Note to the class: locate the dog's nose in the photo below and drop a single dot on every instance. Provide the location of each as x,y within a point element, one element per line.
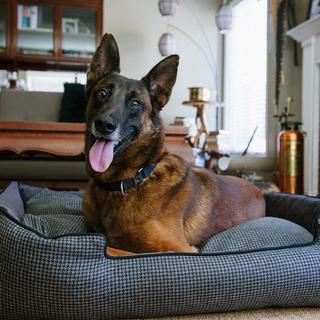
<point>105,126</point>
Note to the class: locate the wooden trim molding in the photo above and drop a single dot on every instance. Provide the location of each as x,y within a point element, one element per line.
<point>39,126</point>
<point>308,34</point>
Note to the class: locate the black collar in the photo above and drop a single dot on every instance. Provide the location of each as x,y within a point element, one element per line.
<point>124,185</point>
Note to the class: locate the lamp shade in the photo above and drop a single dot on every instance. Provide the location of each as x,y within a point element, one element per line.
<point>168,7</point>
<point>224,18</point>
<point>167,44</point>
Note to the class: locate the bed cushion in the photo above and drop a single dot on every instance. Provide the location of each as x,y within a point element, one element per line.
<point>55,213</point>
<point>70,276</point>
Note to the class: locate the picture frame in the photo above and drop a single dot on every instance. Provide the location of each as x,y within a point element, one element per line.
<point>313,8</point>
<point>70,25</point>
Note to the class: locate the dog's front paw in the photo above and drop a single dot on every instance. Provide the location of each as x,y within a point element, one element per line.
<point>194,249</point>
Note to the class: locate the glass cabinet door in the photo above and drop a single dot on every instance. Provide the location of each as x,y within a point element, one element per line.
<point>78,33</point>
<point>3,24</point>
<point>35,30</point>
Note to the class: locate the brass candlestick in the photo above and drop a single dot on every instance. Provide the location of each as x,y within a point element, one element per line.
<point>204,143</point>
<point>195,142</point>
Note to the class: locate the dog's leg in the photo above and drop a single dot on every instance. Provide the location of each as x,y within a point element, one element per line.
<point>167,246</point>
<point>164,237</point>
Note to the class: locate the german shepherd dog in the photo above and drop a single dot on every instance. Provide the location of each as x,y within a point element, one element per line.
<point>141,197</point>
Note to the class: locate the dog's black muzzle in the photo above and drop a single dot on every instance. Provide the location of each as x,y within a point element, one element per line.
<point>105,125</point>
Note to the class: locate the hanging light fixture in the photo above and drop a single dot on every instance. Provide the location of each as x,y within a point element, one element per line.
<point>167,44</point>
<point>224,18</point>
<point>168,7</point>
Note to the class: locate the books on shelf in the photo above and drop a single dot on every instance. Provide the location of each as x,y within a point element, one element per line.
<point>27,17</point>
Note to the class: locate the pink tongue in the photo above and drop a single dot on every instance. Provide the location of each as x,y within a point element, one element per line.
<point>101,155</point>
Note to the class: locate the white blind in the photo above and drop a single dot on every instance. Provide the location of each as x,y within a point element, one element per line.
<point>245,92</point>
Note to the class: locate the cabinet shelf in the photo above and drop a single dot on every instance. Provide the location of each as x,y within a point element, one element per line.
<point>73,34</point>
<point>37,30</point>
<point>35,51</point>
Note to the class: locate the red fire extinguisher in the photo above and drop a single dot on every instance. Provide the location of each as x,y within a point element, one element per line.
<point>290,157</point>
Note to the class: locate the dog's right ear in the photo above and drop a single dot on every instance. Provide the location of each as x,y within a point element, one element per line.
<point>105,60</point>
<point>160,81</point>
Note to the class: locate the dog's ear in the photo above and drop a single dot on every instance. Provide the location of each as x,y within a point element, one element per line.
<point>160,81</point>
<point>105,60</point>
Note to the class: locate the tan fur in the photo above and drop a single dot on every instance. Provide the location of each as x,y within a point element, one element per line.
<point>175,209</point>
<point>178,206</point>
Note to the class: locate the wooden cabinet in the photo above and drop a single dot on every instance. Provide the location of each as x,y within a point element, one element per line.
<point>3,27</point>
<point>49,34</point>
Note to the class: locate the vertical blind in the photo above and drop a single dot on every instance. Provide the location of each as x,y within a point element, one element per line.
<point>245,81</point>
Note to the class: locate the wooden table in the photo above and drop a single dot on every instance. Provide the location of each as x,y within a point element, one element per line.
<point>65,140</point>
<point>54,138</point>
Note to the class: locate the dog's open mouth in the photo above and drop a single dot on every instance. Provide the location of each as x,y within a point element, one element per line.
<point>104,150</point>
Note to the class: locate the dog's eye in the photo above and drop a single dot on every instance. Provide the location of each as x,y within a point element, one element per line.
<point>103,93</point>
<point>135,103</point>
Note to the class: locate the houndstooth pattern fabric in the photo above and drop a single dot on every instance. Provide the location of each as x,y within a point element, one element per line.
<point>257,234</point>
<point>55,213</point>
<point>71,278</point>
<point>54,202</point>
<point>56,226</point>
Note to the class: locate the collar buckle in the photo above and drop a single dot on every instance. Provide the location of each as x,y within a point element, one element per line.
<point>139,177</point>
<point>123,191</point>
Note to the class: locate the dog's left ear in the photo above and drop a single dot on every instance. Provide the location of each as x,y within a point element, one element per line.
<point>160,81</point>
<point>105,60</point>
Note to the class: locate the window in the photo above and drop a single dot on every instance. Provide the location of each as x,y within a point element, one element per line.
<point>245,77</point>
<point>51,80</point>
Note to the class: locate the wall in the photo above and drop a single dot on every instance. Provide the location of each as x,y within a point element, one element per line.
<point>293,73</point>
<point>137,26</point>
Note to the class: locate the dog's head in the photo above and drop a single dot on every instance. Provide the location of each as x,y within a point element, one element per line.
<point>122,111</point>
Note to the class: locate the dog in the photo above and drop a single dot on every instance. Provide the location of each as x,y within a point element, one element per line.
<point>141,197</point>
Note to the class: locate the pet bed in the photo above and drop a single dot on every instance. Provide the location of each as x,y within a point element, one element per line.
<point>52,267</point>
